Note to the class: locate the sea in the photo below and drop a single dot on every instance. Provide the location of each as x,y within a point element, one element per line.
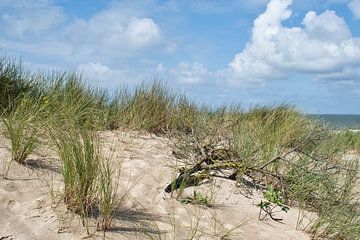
<point>339,121</point>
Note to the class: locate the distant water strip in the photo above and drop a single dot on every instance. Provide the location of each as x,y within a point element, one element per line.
<point>339,121</point>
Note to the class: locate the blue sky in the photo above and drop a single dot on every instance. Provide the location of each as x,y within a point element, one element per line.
<point>301,52</point>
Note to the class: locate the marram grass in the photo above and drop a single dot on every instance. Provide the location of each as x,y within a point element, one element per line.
<point>23,127</point>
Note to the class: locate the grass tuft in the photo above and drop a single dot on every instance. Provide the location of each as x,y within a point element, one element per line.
<point>23,126</point>
<point>79,152</point>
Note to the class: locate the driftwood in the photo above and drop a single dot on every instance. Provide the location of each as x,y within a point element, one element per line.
<point>190,176</point>
<point>185,177</point>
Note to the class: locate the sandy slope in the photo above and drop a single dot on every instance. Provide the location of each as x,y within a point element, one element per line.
<point>27,210</point>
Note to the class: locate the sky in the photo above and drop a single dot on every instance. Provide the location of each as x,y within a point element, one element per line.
<point>249,52</point>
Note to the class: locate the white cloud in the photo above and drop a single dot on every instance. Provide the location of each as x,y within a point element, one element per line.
<point>187,73</point>
<point>348,74</point>
<point>191,73</point>
<point>114,28</point>
<point>94,69</point>
<point>354,6</point>
<point>324,26</point>
<point>142,32</point>
<point>106,76</point>
<point>21,19</point>
<point>322,45</point>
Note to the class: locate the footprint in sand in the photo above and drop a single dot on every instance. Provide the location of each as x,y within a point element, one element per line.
<point>10,187</point>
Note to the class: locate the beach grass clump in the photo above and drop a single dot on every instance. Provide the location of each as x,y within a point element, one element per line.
<point>339,210</point>
<point>183,116</point>
<point>71,100</point>
<point>80,157</point>
<point>278,129</point>
<point>23,126</point>
<point>282,148</point>
<point>152,107</point>
<point>15,83</point>
<point>266,140</point>
<point>313,181</point>
<point>340,221</point>
<point>148,107</point>
<point>89,189</point>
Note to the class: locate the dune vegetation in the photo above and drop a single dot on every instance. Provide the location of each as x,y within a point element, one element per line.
<point>295,160</point>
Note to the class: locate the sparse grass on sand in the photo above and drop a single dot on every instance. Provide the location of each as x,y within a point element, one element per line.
<point>276,147</point>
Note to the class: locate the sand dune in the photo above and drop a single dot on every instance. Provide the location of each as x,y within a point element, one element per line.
<point>27,210</point>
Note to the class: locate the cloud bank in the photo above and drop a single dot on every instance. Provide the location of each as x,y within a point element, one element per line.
<point>116,37</point>
<point>42,28</point>
<point>322,46</point>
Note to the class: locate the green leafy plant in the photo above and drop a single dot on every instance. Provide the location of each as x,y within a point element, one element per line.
<point>198,198</point>
<point>273,199</point>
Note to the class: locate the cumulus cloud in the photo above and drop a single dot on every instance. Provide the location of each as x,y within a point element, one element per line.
<point>142,32</point>
<point>114,28</point>
<point>323,44</point>
<point>354,6</point>
<point>322,27</point>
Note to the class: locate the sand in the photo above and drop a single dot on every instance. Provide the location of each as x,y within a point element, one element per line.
<point>146,164</point>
